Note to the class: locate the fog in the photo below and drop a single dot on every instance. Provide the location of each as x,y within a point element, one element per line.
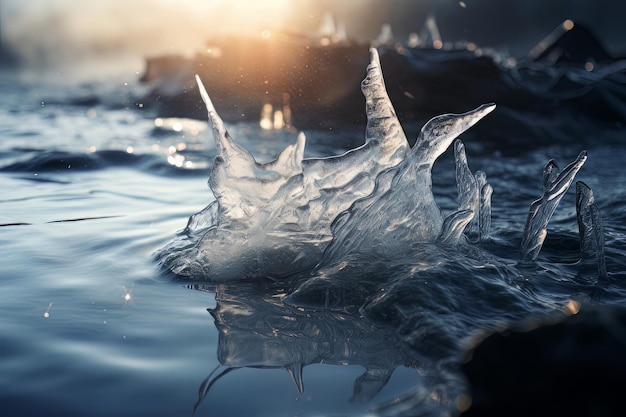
<point>49,35</point>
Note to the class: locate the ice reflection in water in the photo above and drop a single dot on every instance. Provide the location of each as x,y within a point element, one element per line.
<point>258,330</point>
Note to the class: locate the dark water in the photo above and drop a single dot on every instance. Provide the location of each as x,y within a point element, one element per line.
<point>92,187</point>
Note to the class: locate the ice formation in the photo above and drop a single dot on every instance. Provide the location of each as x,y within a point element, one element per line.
<point>360,238</point>
<point>293,214</point>
<point>555,184</point>
<point>590,229</point>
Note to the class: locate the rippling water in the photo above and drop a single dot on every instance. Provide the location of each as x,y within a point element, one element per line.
<point>93,185</point>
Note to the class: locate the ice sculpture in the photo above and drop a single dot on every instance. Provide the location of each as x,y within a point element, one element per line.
<point>293,215</point>
<point>555,184</point>
<point>275,218</point>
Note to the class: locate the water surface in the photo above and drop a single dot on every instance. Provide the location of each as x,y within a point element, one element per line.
<point>91,188</point>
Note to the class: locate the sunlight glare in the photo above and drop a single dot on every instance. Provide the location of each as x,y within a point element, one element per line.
<point>279,122</point>
<point>47,313</point>
<point>128,296</point>
<point>266,117</point>
<point>568,25</point>
<point>255,15</point>
<point>572,307</point>
<point>177,126</point>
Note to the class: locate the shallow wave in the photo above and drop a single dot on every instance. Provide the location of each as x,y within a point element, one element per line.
<point>67,162</point>
<point>46,161</point>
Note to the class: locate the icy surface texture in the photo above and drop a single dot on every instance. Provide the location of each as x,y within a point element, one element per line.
<point>555,184</point>
<point>474,194</point>
<point>402,212</point>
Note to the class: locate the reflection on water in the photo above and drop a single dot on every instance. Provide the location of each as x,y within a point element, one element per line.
<point>257,329</point>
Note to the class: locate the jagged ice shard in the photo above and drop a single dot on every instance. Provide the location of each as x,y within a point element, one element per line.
<point>294,214</point>
<point>555,184</point>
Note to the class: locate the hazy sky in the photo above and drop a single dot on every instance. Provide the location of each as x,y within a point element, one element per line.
<point>52,32</point>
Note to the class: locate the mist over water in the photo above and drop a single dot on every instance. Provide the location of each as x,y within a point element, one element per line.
<point>114,36</point>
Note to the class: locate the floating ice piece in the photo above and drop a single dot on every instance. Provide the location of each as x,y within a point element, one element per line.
<point>555,184</point>
<point>590,228</point>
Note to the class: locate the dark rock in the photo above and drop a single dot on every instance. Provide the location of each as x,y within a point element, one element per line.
<point>576,367</point>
